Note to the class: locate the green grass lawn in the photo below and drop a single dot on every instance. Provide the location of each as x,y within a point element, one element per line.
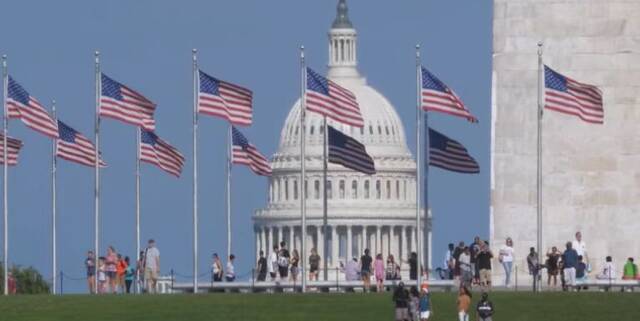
<point>284,307</point>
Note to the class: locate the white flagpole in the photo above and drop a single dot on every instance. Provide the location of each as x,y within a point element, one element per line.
<point>325,210</point>
<point>54,169</point>
<point>97,166</point>
<point>539,178</point>
<point>195,170</point>
<point>138,151</point>
<point>418,164</point>
<point>228,170</point>
<point>5,87</point>
<point>303,201</point>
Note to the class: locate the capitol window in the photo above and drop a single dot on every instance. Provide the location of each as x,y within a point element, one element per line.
<point>341,187</point>
<point>306,189</point>
<point>311,130</point>
<point>362,130</point>
<point>371,129</point>
<point>397,189</point>
<point>329,190</point>
<point>379,130</point>
<point>405,189</point>
<point>388,189</point>
<point>286,190</point>
<point>378,189</point>
<point>295,189</point>
<point>316,189</point>
<point>354,189</point>
<point>386,129</point>
<point>278,191</point>
<point>367,193</point>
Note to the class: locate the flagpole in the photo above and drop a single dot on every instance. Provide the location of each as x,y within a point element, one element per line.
<point>325,214</point>
<point>228,170</point>
<point>97,166</point>
<point>5,88</point>
<point>539,177</point>
<point>418,163</point>
<point>195,169</point>
<point>303,201</point>
<point>138,142</point>
<point>54,170</point>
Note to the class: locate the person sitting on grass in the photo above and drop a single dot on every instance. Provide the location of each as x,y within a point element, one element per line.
<point>484,308</point>
<point>608,272</point>
<point>401,298</point>
<point>425,305</point>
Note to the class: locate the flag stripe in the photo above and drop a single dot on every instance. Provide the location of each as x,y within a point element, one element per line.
<point>14,146</point>
<point>75,147</point>
<point>224,100</point>
<point>348,152</point>
<point>565,95</point>
<point>155,151</point>
<point>450,155</point>
<point>245,153</point>
<point>327,98</point>
<point>436,96</point>
<point>22,105</point>
<point>122,103</point>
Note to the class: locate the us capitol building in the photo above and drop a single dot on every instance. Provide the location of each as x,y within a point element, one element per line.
<point>377,212</point>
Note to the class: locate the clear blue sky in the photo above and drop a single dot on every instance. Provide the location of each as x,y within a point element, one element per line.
<point>147,45</point>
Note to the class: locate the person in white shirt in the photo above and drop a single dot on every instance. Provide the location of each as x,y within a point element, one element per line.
<point>273,263</point>
<point>506,256</point>
<point>230,273</point>
<point>151,266</point>
<point>581,247</point>
<point>608,270</point>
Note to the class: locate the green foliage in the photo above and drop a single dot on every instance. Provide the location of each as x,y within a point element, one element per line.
<point>28,280</point>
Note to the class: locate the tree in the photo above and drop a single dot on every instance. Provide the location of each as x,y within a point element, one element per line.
<point>28,280</point>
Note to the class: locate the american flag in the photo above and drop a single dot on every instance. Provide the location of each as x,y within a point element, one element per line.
<point>13,145</point>
<point>327,98</point>
<point>348,152</point>
<point>436,96</point>
<point>75,147</point>
<point>22,105</point>
<point>450,155</point>
<point>568,96</point>
<point>156,151</point>
<point>245,153</point>
<point>225,100</point>
<point>122,103</point>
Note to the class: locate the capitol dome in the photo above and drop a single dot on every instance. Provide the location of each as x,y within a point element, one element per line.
<point>363,211</point>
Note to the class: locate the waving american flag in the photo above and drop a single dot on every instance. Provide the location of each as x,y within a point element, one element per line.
<point>436,96</point>
<point>156,151</point>
<point>568,96</point>
<point>327,98</point>
<point>348,152</point>
<point>124,104</point>
<point>450,155</point>
<point>245,153</point>
<point>225,100</point>
<point>23,106</point>
<point>13,145</point>
<point>75,147</point>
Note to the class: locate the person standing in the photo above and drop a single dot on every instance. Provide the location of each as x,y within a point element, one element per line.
<point>506,257</point>
<point>129,275</point>
<point>111,262</point>
<point>230,274</point>
<point>378,268</point>
<point>474,249</point>
<point>90,265</point>
<point>314,265</point>
<point>413,266</point>
<point>484,309</point>
<point>102,275</point>
<point>216,268</point>
<point>140,271</point>
<point>465,268</point>
<point>261,267</point>
<point>294,262</point>
<point>273,263</point>
<point>365,270</point>
<point>391,269</point>
<point>283,261</point>
<point>463,302</point>
<point>456,260</point>
<point>425,305</point>
<point>569,263</point>
<point>401,300</point>
<point>483,260</point>
<point>534,267</point>
<point>553,266</point>
<point>580,247</point>
<point>351,270</point>
<point>449,262</point>
<point>151,266</point>
<point>121,268</point>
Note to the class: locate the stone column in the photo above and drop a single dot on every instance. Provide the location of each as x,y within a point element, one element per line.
<point>256,234</point>
<point>403,243</point>
<point>271,244</point>
<point>335,246</point>
<point>320,243</point>
<point>291,231</point>
<point>378,239</point>
<point>349,251</point>
<point>263,242</point>
<point>412,232</point>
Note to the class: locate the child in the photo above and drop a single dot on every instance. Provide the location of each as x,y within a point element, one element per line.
<point>464,300</point>
<point>425,305</point>
<point>414,301</point>
<point>484,308</point>
<point>102,275</point>
<point>129,275</point>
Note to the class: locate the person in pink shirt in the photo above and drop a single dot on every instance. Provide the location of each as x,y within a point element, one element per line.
<point>378,269</point>
<point>111,262</point>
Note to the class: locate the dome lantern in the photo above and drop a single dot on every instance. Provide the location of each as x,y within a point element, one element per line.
<point>342,45</point>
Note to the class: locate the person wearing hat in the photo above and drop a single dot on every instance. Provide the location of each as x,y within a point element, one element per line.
<point>425,304</point>
<point>484,308</point>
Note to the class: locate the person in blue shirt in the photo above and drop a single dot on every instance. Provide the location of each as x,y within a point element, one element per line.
<point>425,305</point>
<point>570,262</point>
<point>129,274</point>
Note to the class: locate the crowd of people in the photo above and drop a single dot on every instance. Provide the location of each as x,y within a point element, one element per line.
<point>116,274</point>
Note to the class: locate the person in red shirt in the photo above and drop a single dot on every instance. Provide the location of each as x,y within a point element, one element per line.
<point>121,269</point>
<point>11,284</point>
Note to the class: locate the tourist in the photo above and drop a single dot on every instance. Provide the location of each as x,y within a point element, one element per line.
<point>533,266</point>
<point>463,302</point>
<point>294,262</point>
<point>449,262</point>
<point>283,261</point>
<point>552,263</point>
<point>391,269</point>
<point>569,263</point>
<point>12,284</point>
<point>365,270</point>
<point>90,265</point>
<point>261,267</point>
<point>484,309</point>
<point>483,259</point>
<point>608,270</point>
<point>414,304</point>
<point>129,275</point>
<point>102,275</point>
<point>425,305</point>
<point>151,266</point>
<point>581,270</point>
<point>216,268</point>
<point>630,270</point>
<point>456,260</point>
<point>506,257</point>
<point>413,266</point>
<point>273,263</point>
<point>580,246</point>
<point>378,269</point>
<point>314,265</point>
<point>121,268</point>
<point>111,269</point>
<point>230,272</point>
<point>140,270</point>
<point>401,298</point>
<point>351,272</point>
<point>466,275</point>
<point>474,249</point>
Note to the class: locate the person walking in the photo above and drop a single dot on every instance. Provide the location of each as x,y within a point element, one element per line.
<point>365,270</point>
<point>401,300</point>
<point>151,266</point>
<point>425,308</point>
<point>569,263</point>
<point>90,265</point>
<point>506,257</point>
<point>216,268</point>
<point>378,268</point>
<point>483,260</point>
<point>230,274</point>
<point>463,303</point>
<point>314,265</point>
<point>553,266</point>
<point>534,267</point>
<point>129,275</point>
<point>273,263</point>
<point>111,269</point>
<point>484,309</point>
<point>294,263</point>
<point>261,267</point>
